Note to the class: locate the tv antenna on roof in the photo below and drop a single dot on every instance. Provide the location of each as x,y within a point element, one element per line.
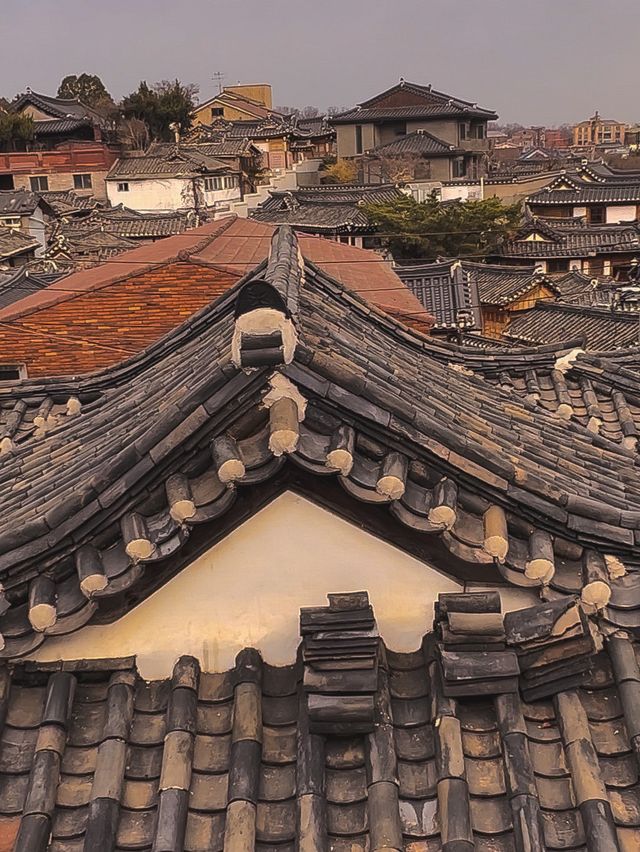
<point>218,77</point>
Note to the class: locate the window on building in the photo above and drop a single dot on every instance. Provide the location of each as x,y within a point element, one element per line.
<point>558,265</point>
<point>39,183</point>
<point>82,181</point>
<point>358,139</point>
<point>220,182</point>
<point>398,128</point>
<point>462,128</point>
<point>10,222</point>
<point>12,372</point>
<point>6,182</point>
<point>459,167</point>
<point>216,112</point>
<point>597,214</point>
<point>123,187</point>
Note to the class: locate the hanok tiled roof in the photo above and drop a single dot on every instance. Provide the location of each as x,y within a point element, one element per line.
<point>13,242</point>
<point>57,126</point>
<point>446,292</point>
<point>96,244</point>
<point>429,104</point>
<point>131,224</point>
<point>182,163</point>
<point>473,477</point>
<point>602,328</point>
<point>18,202</point>
<point>573,240</point>
<point>573,283</point>
<point>62,108</point>
<point>241,147</point>
<point>330,208</point>
<point>418,144</point>
<point>98,316</point>
<point>68,203</point>
<point>94,757</point>
<point>574,190</point>
<point>19,283</point>
<point>484,284</point>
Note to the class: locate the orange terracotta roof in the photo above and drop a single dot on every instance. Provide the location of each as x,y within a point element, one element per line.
<point>235,245</point>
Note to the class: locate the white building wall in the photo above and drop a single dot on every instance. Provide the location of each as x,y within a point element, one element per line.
<point>579,211</point>
<point>247,591</point>
<point>162,196</point>
<point>621,213</point>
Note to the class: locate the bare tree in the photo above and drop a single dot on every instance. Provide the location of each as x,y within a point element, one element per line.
<point>398,169</point>
<point>133,134</point>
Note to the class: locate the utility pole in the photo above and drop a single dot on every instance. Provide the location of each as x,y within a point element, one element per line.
<point>218,77</point>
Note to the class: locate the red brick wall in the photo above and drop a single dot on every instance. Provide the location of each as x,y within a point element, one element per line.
<point>103,327</point>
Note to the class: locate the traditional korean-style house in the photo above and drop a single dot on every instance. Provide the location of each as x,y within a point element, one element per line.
<point>416,156</point>
<point>296,577</point>
<point>70,151</point>
<point>599,195</point>
<point>466,296</point>
<point>96,317</point>
<point>171,180</point>
<point>16,247</point>
<point>457,125</point>
<point>332,210</point>
<point>239,155</point>
<point>560,245</point>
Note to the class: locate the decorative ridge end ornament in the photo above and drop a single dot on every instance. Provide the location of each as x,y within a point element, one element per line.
<point>287,408</point>
<point>341,653</point>
<point>564,363</point>
<point>265,333</point>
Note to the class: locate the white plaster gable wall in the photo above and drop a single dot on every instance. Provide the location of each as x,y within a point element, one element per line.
<point>148,196</point>
<point>247,591</point>
<point>161,196</point>
<point>620,213</point>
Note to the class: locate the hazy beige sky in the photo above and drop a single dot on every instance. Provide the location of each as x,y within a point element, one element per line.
<point>534,61</point>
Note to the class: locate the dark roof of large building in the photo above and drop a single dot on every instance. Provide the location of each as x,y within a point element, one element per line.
<point>329,208</point>
<point>59,108</point>
<point>460,467</point>
<point>602,328</point>
<point>14,242</point>
<point>419,144</point>
<point>571,238</point>
<point>429,103</point>
<point>477,284</point>
<point>94,757</point>
<point>573,189</point>
<point>176,163</point>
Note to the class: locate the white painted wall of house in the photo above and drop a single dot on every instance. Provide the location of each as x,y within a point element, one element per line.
<point>159,196</point>
<point>247,590</point>
<point>621,213</point>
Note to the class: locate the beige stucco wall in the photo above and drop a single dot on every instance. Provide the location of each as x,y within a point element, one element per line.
<point>346,139</point>
<point>443,129</point>
<point>248,589</point>
<point>62,181</point>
